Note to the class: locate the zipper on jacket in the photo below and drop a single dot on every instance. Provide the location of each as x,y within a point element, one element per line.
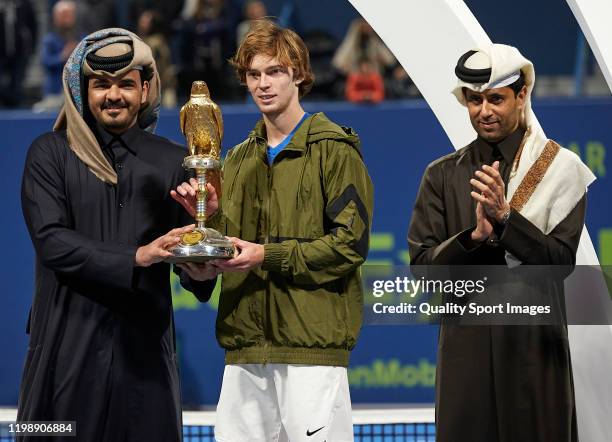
<point>242,157</point>
<point>267,297</point>
<point>298,197</point>
<point>264,360</point>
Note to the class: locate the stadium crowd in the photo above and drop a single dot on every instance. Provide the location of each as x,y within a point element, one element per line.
<point>191,39</point>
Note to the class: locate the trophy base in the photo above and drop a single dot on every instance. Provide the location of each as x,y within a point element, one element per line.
<point>201,245</point>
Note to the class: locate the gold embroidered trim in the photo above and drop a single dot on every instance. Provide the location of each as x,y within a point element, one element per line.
<point>534,176</point>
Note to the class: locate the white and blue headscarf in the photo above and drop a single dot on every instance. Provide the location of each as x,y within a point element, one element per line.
<point>71,117</point>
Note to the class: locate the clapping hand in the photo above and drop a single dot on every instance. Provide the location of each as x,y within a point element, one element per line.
<point>490,192</point>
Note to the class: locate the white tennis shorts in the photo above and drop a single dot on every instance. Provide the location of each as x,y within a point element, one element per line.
<point>281,402</point>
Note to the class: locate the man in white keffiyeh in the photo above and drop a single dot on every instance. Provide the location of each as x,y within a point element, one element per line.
<point>545,182</point>
<point>508,198</point>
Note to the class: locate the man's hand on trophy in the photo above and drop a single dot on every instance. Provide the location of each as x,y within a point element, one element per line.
<point>157,250</point>
<point>185,195</point>
<point>199,272</point>
<point>249,255</point>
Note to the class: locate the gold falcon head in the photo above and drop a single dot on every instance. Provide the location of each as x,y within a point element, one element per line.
<point>199,88</point>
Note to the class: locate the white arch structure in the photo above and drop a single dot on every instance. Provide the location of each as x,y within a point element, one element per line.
<point>427,37</point>
<point>593,16</point>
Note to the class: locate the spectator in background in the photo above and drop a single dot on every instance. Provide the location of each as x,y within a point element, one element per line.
<point>400,85</point>
<point>206,44</point>
<point>56,47</point>
<point>18,34</point>
<point>365,85</point>
<point>361,42</point>
<point>166,13</point>
<point>93,15</point>
<point>253,10</point>
<point>189,8</point>
<point>150,30</point>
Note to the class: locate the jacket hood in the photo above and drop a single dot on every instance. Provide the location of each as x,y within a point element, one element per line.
<point>315,128</point>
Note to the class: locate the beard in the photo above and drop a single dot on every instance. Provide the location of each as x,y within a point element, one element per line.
<point>122,121</point>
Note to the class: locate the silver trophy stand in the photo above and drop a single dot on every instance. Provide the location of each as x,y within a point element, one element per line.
<point>203,243</point>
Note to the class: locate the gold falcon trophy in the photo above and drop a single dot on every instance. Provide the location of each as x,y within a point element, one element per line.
<point>202,125</point>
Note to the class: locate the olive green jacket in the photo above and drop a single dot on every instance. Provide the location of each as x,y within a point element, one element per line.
<point>312,210</point>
